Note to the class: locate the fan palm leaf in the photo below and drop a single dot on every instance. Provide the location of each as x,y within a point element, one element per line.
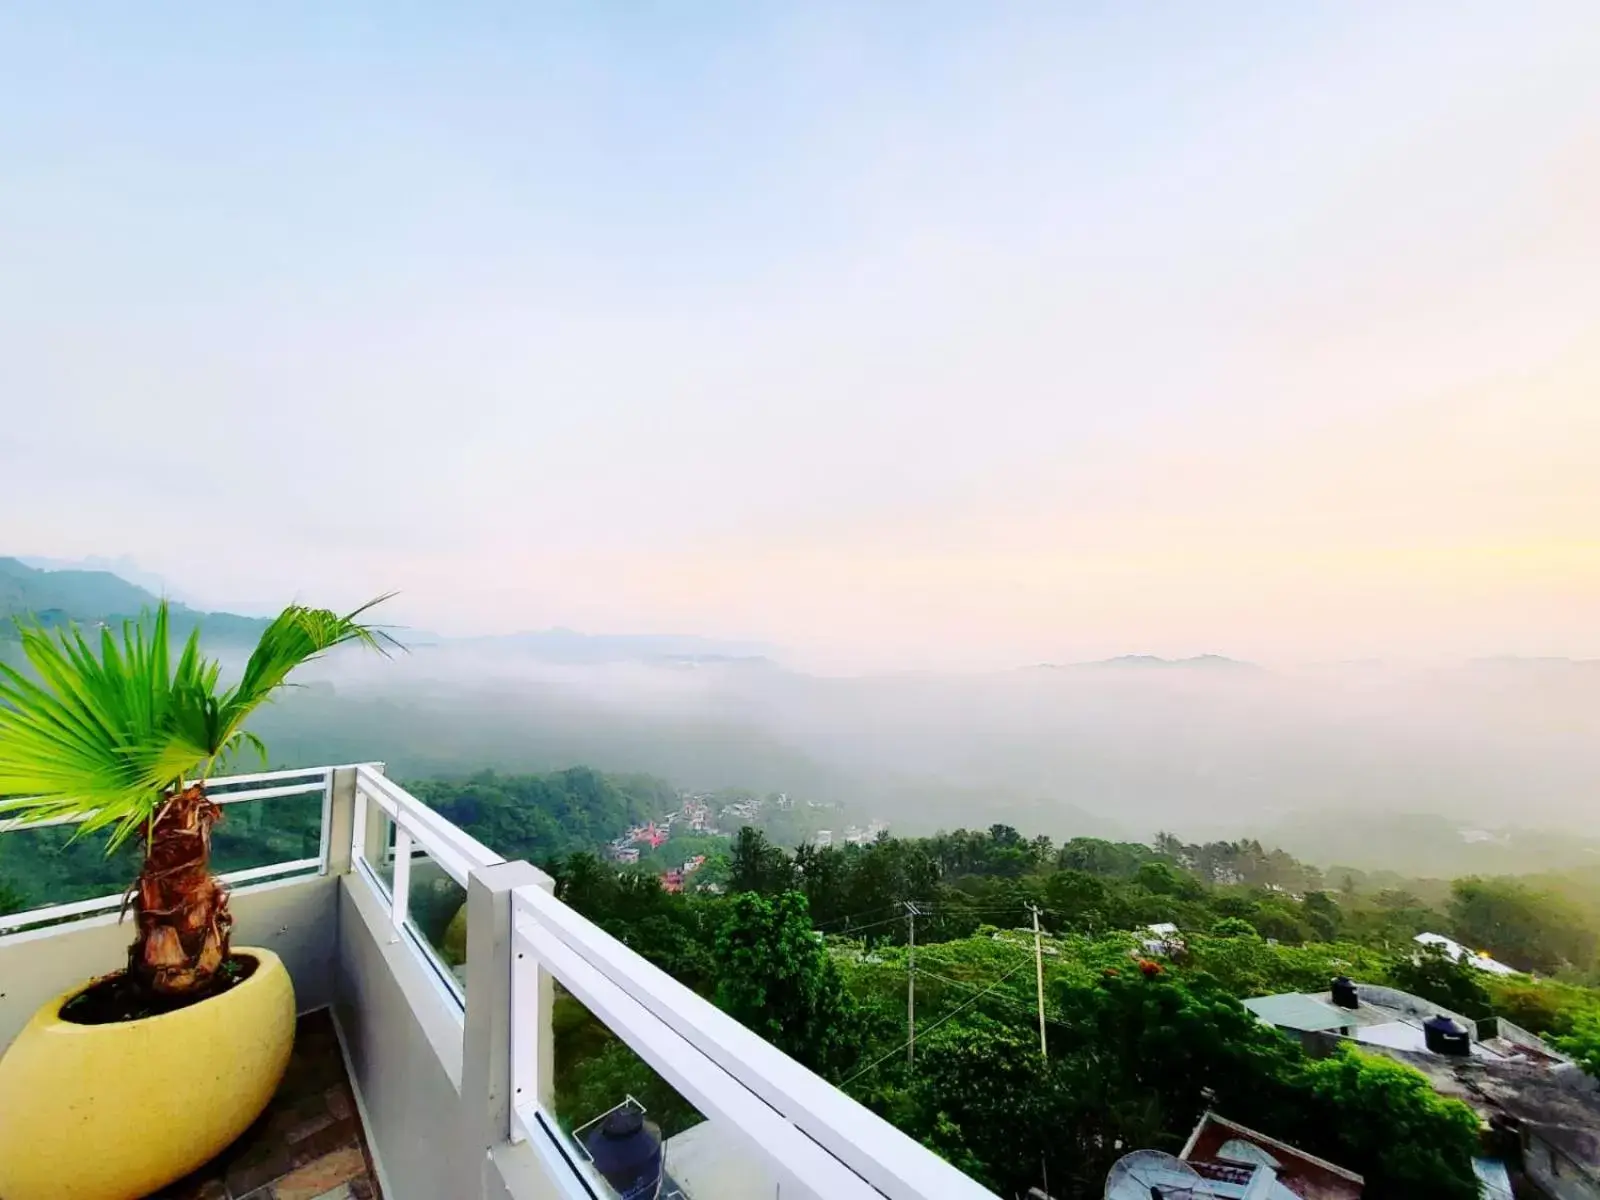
<point>106,737</point>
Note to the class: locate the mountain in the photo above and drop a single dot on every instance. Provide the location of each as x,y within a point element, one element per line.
<point>123,567</point>
<point>78,595</point>
<point>93,598</point>
<point>1151,662</point>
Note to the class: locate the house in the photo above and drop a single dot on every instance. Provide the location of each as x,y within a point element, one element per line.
<point>1387,1018</point>
<point>1516,1082</point>
<point>1551,1111</point>
<point>1238,1161</point>
<point>1163,939</point>
<point>1460,953</point>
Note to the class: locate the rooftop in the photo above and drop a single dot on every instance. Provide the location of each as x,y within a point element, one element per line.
<point>1557,1107</point>
<point>428,972</point>
<point>1460,953</point>
<point>1388,1018</point>
<point>1232,1155</point>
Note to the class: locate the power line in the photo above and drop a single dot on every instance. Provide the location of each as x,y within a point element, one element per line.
<point>928,1029</point>
<point>866,912</point>
<point>1006,1000</point>
<point>870,925</point>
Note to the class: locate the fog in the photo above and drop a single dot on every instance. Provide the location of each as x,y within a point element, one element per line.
<point>1205,747</point>
<point>913,354</point>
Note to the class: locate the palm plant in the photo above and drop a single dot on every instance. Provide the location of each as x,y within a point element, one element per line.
<point>125,740</point>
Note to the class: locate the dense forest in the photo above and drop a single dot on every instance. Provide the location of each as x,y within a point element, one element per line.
<point>535,817</point>
<point>808,946</point>
<point>1138,1042</point>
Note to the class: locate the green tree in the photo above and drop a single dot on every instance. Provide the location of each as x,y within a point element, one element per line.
<point>1164,880</point>
<point>1079,900</point>
<point>1323,914</point>
<point>756,865</point>
<point>1532,930</point>
<point>125,736</point>
<point>1434,974</point>
<point>774,975</point>
<point>673,931</point>
<point>1583,1043</point>
<point>981,1100</point>
<point>1100,857</point>
<point>1233,927</point>
<point>11,899</point>
<point>1542,1006</point>
<point>1383,1119</point>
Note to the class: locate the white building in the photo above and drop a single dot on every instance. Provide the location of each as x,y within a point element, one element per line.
<point>1459,952</point>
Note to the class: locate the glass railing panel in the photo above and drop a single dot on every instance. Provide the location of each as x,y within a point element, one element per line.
<point>262,833</point>
<point>633,1131</point>
<point>57,864</point>
<point>40,868</point>
<point>436,911</point>
<point>378,849</point>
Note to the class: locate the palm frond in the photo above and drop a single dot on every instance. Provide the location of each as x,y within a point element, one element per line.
<point>105,736</point>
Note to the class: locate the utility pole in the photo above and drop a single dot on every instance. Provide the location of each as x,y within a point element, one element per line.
<point>1038,970</point>
<point>911,983</point>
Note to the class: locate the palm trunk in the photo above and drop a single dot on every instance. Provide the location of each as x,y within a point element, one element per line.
<point>182,910</point>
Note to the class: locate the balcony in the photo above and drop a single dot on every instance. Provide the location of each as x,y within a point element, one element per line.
<point>463,996</point>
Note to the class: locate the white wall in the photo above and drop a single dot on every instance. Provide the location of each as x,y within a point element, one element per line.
<point>399,1032</point>
<point>294,918</point>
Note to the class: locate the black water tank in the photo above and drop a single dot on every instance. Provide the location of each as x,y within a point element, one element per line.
<point>1344,993</point>
<point>1446,1036</point>
<point>627,1152</point>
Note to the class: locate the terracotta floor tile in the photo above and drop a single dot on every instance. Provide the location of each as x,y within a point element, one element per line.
<point>309,1138</point>
<point>321,1175</point>
<point>340,1102</point>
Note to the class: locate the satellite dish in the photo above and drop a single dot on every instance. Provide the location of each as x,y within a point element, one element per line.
<point>1155,1175</point>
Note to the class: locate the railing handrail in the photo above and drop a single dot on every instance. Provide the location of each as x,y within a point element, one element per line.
<point>312,779</point>
<point>307,780</point>
<point>452,847</point>
<point>723,1099</point>
<point>894,1164</point>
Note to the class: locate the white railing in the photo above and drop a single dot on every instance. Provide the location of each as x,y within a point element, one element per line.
<point>225,789</point>
<point>815,1140</point>
<point>810,1139</point>
<point>416,827</point>
<point>417,830</point>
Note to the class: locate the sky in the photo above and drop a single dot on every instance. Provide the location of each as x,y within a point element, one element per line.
<point>944,335</point>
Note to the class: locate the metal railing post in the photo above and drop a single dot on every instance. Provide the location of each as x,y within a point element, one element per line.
<point>491,1033</point>
<point>339,825</point>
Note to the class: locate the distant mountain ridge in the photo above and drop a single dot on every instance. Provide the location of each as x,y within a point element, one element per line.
<point>59,595</point>
<point>1153,662</point>
<point>91,598</point>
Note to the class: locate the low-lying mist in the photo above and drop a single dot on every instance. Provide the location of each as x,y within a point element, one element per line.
<point>1207,748</point>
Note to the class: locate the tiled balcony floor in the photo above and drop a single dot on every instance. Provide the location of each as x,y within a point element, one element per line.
<point>308,1145</point>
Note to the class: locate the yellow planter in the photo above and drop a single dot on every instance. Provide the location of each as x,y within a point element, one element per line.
<point>114,1112</point>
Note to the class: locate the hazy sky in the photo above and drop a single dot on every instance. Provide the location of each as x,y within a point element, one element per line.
<point>944,334</point>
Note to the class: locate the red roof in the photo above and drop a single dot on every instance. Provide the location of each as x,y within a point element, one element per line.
<point>1306,1175</point>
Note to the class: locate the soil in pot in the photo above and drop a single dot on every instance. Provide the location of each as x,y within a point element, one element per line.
<point>116,998</point>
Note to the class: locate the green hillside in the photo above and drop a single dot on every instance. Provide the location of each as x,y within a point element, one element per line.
<point>91,598</point>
